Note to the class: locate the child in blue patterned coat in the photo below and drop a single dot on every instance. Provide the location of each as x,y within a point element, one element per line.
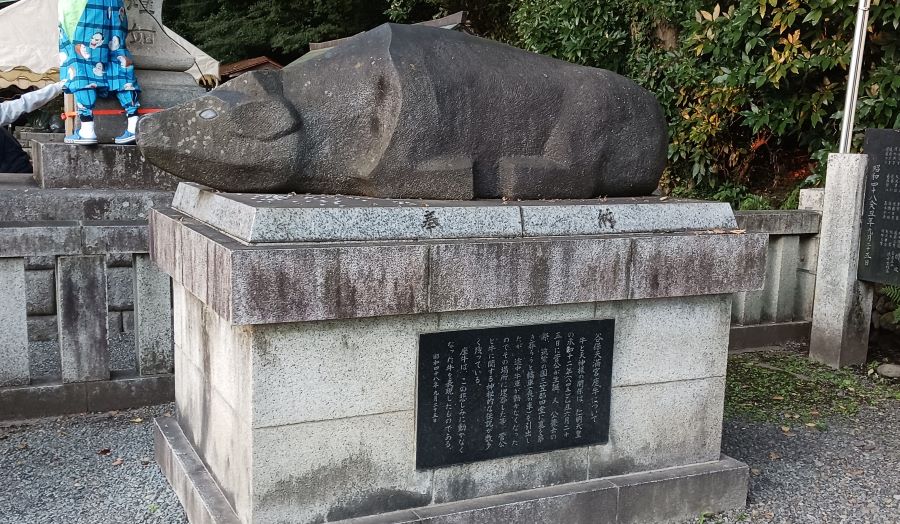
<point>96,63</point>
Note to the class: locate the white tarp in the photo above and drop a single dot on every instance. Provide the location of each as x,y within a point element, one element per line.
<point>28,36</point>
<point>28,41</point>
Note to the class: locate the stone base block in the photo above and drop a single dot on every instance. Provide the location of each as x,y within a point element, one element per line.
<point>106,166</point>
<point>301,373</point>
<point>664,495</point>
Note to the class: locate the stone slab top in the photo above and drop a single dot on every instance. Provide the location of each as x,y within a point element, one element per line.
<point>72,237</point>
<point>287,218</point>
<point>247,283</point>
<point>780,222</point>
<point>32,204</point>
<point>17,180</point>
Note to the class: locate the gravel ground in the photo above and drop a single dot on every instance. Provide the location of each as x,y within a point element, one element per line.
<point>51,471</point>
<point>59,471</point>
<point>849,473</point>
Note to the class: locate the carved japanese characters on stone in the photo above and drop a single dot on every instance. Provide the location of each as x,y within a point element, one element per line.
<point>418,112</point>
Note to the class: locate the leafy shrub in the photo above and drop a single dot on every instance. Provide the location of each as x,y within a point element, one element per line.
<point>757,86</point>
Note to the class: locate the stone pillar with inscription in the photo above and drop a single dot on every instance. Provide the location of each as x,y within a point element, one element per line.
<point>342,358</point>
<point>160,66</point>
<point>842,310</point>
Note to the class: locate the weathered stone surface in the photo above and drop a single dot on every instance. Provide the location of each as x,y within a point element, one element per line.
<point>661,425</point>
<point>195,488</point>
<point>593,502</point>
<point>40,285</point>
<point>27,136</point>
<point>120,288</point>
<point>190,255</point>
<point>115,237</point>
<point>128,321</point>
<point>311,218</point>
<point>812,199</point>
<point>328,283</point>
<point>804,297</point>
<point>19,239</point>
<point>747,308</point>
<point>370,369</point>
<point>889,370</point>
<point>14,359</point>
<point>17,180</point>
<point>33,205</point>
<point>114,321</point>
<point>82,315</point>
<point>43,262</point>
<point>494,477</point>
<point>43,328</point>
<point>147,40</point>
<point>843,304</point>
<point>656,496</point>
<point>649,332</point>
<point>768,335</point>
<point>302,473</point>
<point>153,317</point>
<point>305,282</point>
<point>48,400</point>
<point>682,493</point>
<point>260,218</point>
<point>129,392</point>
<point>55,399</point>
<point>780,222</point>
<point>121,259</point>
<point>623,215</point>
<point>686,264</point>
<point>107,166</point>
<point>418,112</point>
<point>212,391</point>
<point>780,291</point>
<point>487,275</point>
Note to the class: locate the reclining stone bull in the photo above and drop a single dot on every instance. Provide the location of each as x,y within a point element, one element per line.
<point>418,112</point>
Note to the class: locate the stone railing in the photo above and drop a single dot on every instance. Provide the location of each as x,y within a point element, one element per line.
<point>85,317</point>
<point>782,312</point>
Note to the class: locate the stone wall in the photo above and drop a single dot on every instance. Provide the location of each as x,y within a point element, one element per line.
<point>781,313</point>
<point>85,319</point>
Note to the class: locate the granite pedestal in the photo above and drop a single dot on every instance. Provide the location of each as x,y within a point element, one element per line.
<point>297,323</point>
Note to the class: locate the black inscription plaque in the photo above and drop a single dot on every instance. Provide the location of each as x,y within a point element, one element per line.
<point>491,393</point>
<point>879,245</point>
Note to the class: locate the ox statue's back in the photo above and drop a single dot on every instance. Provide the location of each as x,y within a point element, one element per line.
<point>418,112</point>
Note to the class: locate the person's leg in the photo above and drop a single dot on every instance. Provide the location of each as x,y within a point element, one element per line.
<point>85,100</point>
<point>129,102</point>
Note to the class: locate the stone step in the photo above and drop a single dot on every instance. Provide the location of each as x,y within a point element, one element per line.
<point>17,180</point>
<point>25,137</point>
<point>105,166</point>
<point>23,203</point>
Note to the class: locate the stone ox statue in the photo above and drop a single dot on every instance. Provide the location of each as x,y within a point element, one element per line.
<point>417,112</point>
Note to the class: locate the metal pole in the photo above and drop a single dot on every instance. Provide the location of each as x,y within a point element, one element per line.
<point>859,47</point>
